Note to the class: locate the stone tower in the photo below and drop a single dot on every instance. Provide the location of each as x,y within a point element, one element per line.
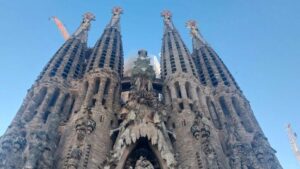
<point>193,117</point>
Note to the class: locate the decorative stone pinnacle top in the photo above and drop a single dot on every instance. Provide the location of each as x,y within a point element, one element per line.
<point>89,17</point>
<point>117,10</point>
<point>167,18</point>
<point>81,32</point>
<point>166,14</point>
<point>192,25</point>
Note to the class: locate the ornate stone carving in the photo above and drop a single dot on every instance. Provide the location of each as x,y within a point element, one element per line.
<point>13,142</point>
<point>38,144</point>
<point>264,152</point>
<point>143,163</point>
<point>167,15</point>
<point>74,158</point>
<point>201,127</point>
<point>85,125</point>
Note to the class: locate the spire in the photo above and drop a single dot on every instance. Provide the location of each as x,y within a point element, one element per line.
<point>82,32</point>
<point>211,69</point>
<point>167,15</point>
<point>198,39</point>
<point>108,50</point>
<point>115,19</point>
<point>175,55</point>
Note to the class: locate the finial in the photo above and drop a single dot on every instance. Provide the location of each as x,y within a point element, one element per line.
<point>116,11</point>
<point>192,25</point>
<point>81,32</point>
<point>167,18</point>
<point>88,16</point>
<point>166,14</point>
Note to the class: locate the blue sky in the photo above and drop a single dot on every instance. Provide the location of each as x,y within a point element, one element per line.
<point>259,40</point>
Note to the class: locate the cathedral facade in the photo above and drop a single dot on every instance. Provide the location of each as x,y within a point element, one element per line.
<point>193,117</point>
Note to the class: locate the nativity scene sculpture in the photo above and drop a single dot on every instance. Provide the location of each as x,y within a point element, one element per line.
<point>142,117</point>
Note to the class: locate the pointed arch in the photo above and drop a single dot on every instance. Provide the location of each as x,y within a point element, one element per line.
<point>188,90</point>
<point>177,89</point>
<point>224,107</point>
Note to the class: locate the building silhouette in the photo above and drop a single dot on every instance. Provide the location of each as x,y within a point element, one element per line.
<point>194,116</point>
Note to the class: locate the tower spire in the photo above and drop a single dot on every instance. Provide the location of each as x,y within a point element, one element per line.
<point>108,50</point>
<point>82,32</point>
<point>175,55</point>
<point>115,19</point>
<point>167,15</point>
<point>198,39</point>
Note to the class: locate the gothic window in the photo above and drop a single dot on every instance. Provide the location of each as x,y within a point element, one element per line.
<point>121,61</point>
<point>183,123</point>
<point>172,60</point>
<point>111,123</point>
<point>224,107</point>
<point>213,113</point>
<point>96,86</point>
<point>210,71</point>
<point>54,98</point>
<point>41,96</point>
<point>113,53</point>
<point>220,70</point>
<point>180,55</point>
<point>59,60</point>
<point>198,64</point>
<point>188,90</point>
<point>104,49</point>
<point>191,106</point>
<point>93,102</point>
<point>45,116</point>
<point>67,96</point>
<point>106,88</point>
<point>70,62</point>
<point>181,106</point>
<point>178,91</point>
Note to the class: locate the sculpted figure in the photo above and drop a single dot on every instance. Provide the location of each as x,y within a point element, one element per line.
<point>143,163</point>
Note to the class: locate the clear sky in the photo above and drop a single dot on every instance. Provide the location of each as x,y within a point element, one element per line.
<point>259,40</point>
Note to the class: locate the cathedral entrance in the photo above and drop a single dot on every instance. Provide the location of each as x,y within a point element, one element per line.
<point>142,157</point>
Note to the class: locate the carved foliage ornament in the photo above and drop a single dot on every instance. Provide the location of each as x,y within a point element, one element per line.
<point>14,142</point>
<point>84,125</point>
